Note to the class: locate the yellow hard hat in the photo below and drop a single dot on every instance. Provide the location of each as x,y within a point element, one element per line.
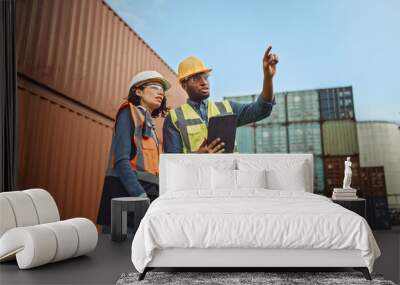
<point>189,66</point>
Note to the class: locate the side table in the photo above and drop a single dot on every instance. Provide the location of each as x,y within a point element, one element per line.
<point>119,209</point>
<point>357,205</point>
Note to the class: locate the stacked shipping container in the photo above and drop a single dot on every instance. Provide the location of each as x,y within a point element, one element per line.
<point>379,145</point>
<point>304,131</point>
<point>246,136</point>
<point>75,60</point>
<point>373,188</point>
<point>292,127</point>
<point>321,122</point>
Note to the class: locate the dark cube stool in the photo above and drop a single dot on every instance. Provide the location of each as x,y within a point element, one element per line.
<point>119,209</point>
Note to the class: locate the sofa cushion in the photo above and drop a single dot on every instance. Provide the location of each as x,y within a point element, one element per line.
<point>40,244</point>
<point>34,244</point>
<point>7,220</point>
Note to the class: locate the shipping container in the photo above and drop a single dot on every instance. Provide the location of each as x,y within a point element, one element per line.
<point>394,216</point>
<point>337,103</point>
<point>278,114</point>
<point>378,215</point>
<point>319,178</point>
<point>302,106</point>
<point>245,99</point>
<point>372,182</point>
<point>75,60</point>
<point>63,148</point>
<point>85,51</point>
<point>271,138</point>
<point>245,139</point>
<point>340,137</point>
<point>334,172</point>
<point>379,143</point>
<point>305,138</point>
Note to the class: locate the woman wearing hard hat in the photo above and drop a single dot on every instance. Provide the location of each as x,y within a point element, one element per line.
<point>135,148</point>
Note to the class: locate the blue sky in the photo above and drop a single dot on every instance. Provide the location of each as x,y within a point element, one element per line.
<point>320,43</point>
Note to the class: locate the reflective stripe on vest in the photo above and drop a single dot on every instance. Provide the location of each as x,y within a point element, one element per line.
<point>146,160</point>
<point>191,127</point>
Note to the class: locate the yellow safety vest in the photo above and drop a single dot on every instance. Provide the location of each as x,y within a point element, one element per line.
<point>191,127</point>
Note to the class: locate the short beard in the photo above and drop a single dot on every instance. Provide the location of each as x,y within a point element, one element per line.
<point>193,95</point>
<point>198,96</point>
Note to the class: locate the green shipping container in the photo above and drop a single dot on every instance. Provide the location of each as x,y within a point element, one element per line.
<point>245,139</point>
<point>271,139</point>
<point>278,114</point>
<point>319,179</point>
<point>305,138</point>
<point>245,99</point>
<point>340,137</point>
<point>303,106</point>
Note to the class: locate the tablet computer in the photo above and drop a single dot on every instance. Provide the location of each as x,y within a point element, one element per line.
<point>223,127</point>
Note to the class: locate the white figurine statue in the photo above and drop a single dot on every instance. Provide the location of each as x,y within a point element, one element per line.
<point>347,174</point>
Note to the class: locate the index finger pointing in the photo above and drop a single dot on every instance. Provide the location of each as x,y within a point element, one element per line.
<point>267,52</point>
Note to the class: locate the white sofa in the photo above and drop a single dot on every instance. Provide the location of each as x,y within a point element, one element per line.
<point>31,230</point>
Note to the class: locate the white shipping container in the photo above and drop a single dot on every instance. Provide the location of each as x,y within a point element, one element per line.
<point>379,144</point>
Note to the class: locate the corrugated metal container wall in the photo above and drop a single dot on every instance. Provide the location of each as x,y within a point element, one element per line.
<point>319,179</point>
<point>245,139</point>
<point>379,146</point>
<point>62,149</point>
<point>302,106</point>
<point>334,172</point>
<point>278,114</point>
<point>75,60</point>
<point>271,139</point>
<point>340,137</point>
<point>305,138</point>
<point>372,182</point>
<point>85,51</point>
<point>337,103</point>
<point>245,99</point>
<point>373,188</point>
<point>378,216</point>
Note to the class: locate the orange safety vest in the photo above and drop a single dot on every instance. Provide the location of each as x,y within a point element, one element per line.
<point>147,152</point>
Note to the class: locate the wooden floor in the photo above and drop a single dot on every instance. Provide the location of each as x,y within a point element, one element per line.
<point>110,259</point>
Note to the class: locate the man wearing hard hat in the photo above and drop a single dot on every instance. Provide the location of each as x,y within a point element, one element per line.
<point>185,128</point>
<point>135,148</point>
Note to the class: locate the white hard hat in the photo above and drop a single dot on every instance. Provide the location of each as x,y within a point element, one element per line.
<point>148,76</point>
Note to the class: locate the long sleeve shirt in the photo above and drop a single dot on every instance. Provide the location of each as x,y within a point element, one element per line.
<point>247,113</point>
<point>124,150</point>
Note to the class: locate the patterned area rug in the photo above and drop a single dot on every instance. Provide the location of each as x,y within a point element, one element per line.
<point>230,278</point>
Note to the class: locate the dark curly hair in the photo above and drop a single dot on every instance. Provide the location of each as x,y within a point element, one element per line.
<point>162,111</point>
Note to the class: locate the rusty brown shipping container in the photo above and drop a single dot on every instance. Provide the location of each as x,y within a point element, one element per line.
<point>372,182</point>
<point>75,60</point>
<point>85,51</point>
<point>63,148</point>
<point>334,172</point>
